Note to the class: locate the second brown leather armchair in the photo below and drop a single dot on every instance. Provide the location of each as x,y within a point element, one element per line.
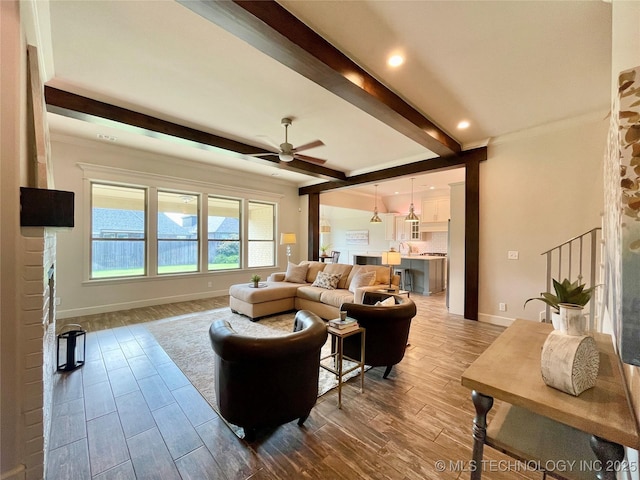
<point>387,329</point>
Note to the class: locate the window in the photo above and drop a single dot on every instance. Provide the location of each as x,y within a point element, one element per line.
<point>118,231</point>
<point>260,235</point>
<point>177,232</point>
<point>145,230</point>
<point>223,234</point>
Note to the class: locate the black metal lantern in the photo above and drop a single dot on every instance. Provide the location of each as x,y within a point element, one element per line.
<point>72,346</point>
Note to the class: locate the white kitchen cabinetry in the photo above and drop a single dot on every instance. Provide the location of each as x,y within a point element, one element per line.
<point>436,210</point>
<point>389,227</point>
<point>435,214</point>
<point>406,231</point>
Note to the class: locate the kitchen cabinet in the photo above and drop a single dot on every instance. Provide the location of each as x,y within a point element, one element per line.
<point>389,227</point>
<point>435,210</point>
<point>435,214</point>
<point>406,231</point>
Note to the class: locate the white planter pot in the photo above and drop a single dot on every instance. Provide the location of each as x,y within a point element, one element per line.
<point>572,320</point>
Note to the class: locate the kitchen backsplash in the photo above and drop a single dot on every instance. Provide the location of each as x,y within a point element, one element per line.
<point>434,242</point>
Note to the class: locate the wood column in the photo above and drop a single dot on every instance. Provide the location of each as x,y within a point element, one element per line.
<point>313,227</point>
<point>472,237</point>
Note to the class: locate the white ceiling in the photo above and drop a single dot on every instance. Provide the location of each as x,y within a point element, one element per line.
<point>504,66</point>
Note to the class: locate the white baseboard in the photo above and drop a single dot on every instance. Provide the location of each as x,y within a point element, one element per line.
<point>495,320</point>
<point>115,307</point>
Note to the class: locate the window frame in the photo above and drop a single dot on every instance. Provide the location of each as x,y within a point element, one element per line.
<point>115,238</point>
<point>241,230</point>
<point>151,184</point>
<point>248,240</point>
<point>198,239</point>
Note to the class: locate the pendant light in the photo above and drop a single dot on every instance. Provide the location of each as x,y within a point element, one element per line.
<point>412,217</point>
<point>375,218</point>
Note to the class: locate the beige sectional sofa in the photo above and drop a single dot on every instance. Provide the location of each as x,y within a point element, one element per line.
<point>281,294</point>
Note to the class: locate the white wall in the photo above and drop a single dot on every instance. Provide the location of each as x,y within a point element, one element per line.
<point>78,296</point>
<point>345,219</point>
<point>537,190</point>
<point>12,156</point>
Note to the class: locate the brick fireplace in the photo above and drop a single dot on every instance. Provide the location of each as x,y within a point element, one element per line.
<point>38,339</point>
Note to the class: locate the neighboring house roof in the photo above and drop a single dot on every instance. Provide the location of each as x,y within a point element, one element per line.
<point>116,220</point>
<point>228,227</point>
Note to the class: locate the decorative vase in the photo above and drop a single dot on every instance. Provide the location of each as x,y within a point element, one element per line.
<point>255,284</point>
<point>572,320</point>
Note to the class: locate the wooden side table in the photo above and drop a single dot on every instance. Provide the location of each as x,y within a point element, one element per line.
<point>337,344</point>
<point>600,419</point>
<point>394,292</point>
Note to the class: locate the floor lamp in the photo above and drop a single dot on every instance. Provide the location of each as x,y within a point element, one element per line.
<point>288,239</point>
<point>391,258</point>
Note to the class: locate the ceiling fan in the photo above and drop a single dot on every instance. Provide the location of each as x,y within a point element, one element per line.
<point>287,152</point>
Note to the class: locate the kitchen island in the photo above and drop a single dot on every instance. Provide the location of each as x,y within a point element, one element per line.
<point>427,272</point>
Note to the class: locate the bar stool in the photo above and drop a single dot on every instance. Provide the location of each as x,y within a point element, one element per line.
<point>406,282</point>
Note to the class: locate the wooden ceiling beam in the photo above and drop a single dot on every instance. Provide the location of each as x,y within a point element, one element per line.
<point>270,28</point>
<point>90,110</point>
<point>475,155</point>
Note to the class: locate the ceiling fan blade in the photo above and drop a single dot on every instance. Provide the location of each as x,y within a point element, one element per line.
<point>261,154</point>
<point>306,158</point>
<point>307,146</point>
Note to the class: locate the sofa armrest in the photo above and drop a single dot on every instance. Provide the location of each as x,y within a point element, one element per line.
<point>276,277</point>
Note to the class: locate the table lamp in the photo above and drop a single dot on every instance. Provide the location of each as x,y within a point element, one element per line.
<point>288,239</point>
<point>391,258</point>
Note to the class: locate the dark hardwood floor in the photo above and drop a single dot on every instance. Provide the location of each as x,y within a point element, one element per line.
<point>129,412</point>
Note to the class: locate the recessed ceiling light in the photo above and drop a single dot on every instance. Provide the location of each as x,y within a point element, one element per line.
<point>395,60</point>
<point>432,187</point>
<point>463,124</point>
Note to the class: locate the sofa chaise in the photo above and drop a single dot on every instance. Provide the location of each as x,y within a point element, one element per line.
<point>314,286</point>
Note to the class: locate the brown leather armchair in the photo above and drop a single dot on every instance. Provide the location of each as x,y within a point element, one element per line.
<point>387,329</point>
<point>266,382</point>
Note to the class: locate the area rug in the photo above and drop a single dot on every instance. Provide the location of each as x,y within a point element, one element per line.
<point>186,340</point>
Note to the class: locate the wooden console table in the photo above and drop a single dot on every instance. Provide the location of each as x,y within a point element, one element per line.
<point>537,421</point>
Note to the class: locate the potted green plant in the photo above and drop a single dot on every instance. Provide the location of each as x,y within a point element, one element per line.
<point>255,279</point>
<point>566,292</point>
<point>323,249</point>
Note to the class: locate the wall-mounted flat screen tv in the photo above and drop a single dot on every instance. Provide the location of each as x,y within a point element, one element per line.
<point>40,207</point>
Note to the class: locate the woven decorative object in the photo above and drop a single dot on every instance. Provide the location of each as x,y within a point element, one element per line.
<point>570,363</point>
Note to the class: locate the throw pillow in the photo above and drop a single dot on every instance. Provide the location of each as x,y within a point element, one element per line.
<point>363,279</point>
<point>296,273</point>
<point>387,302</point>
<point>327,280</point>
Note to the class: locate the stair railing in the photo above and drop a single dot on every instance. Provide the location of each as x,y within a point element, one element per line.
<point>575,259</point>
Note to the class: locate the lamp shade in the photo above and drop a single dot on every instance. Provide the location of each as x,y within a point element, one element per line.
<point>391,258</point>
<point>287,239</point>
<point>325,226</point>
